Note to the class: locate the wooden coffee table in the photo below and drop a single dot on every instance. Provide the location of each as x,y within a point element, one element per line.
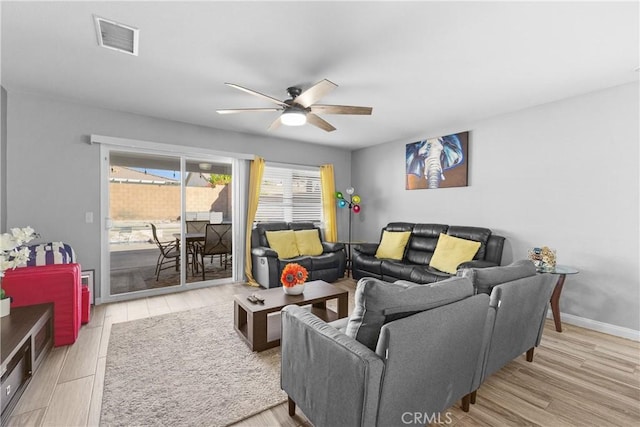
<point>259,324</point>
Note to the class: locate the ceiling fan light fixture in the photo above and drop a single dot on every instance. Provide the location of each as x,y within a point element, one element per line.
<point>293,117</point>
<point>301,108</point>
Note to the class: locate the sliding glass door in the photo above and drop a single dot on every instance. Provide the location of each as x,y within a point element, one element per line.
<point>208,220</point>
<point>169,222</point>
<point>144,229</point>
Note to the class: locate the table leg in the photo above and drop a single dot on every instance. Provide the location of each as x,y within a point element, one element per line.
<point>257,331</point>
<point>343,306</point>
<point>240,315</point>
<point>555,302</point>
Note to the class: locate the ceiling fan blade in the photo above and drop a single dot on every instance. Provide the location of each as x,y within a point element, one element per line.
<point>258,94</point>
<point>321,123</point>
<point>276,123</point>
<point>340,109</point>
<point>247,110</point>
<point>314,93</point>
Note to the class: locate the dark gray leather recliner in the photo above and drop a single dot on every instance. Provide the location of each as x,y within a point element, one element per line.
<point>414,265</point>
<point>267,267</point>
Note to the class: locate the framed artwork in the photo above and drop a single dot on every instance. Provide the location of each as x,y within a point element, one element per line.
<point>86,278</point>
<point>438,162</point>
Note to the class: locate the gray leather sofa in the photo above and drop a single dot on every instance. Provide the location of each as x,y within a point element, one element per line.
<point>267,267</point>
<point>440,349</point>
<point>414,265</point>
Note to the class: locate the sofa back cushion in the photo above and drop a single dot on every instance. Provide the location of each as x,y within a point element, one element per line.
<point>398,226</point>
<point>484,279</point>
<point>258,236</point>
<point>378,302</point>
<point>478,234</point>
<point>301,226</point>
<point>423,242</point>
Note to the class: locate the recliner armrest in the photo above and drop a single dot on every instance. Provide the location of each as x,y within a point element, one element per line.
<point>315,354</point>
<point>264,251</point>
<point>332,247</point>
<point>366,248</point>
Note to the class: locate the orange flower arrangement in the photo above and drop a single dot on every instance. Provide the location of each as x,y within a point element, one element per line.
<point>293,274</point>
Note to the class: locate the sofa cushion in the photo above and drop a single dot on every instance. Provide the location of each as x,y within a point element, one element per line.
<point>451,252</point>
<point>484,279</point>
<point>426,274</point>
<point>324,261</point>
<point>283,242</point>
<point>378,302</point>
<point>304,261</point>
<point>258,236</point>
<point>395,270</point>
<point>308,242</point>
<point>392,244</point>
<point>300,225</point>
<point>366,265</point>
<point>399,226</point>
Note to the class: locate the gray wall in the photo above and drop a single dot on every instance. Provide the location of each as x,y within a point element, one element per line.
<point>54,174</point>
<point>3,160</point>
<point>563,175</point>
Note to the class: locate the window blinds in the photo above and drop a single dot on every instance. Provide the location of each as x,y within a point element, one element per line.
<point>289,195</point>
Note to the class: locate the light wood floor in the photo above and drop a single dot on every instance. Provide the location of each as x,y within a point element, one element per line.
<point>578,377</point>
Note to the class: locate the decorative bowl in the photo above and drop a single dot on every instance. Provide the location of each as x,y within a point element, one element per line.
<point>293,290</point>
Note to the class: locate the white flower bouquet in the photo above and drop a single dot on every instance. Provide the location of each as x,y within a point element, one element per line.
<point>13,253</point>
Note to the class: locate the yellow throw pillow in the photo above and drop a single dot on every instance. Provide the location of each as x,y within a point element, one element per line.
<point>283,242</point>
<point>451,252</point>
<point>392,244</point>
<point>308,242</point>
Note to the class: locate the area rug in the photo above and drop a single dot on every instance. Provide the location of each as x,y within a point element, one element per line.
<point>186,369</point>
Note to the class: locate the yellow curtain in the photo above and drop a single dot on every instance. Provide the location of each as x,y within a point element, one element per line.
<point>329,202</point>
<point>255,180</point>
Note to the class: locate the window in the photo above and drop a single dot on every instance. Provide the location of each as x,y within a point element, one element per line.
<point>289,194</point>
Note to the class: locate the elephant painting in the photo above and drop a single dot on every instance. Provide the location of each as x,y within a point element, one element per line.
<point>437,162</point>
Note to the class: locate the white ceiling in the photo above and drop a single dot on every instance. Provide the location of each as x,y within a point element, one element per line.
<point>422,66</point>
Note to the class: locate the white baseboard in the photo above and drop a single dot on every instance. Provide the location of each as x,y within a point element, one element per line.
<point>594,325</point>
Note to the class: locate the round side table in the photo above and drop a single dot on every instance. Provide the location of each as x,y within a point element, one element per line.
<point>561,271</point>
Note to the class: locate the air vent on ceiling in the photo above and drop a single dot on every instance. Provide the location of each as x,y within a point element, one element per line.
<point>113,35</point>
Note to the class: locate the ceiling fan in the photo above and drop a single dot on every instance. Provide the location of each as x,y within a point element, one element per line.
<point>301,108</point>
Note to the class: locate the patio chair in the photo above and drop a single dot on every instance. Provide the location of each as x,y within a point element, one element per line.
<point>217,241</point>
<point>194,226</point>
<point>169,254</point>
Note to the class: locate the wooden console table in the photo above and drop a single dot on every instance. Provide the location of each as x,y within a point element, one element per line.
<point>27,336</point>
